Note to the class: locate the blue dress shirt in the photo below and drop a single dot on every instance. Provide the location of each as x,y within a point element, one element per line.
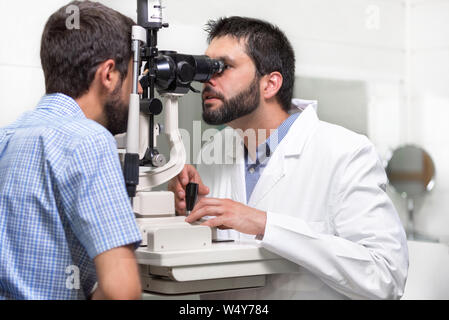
<point>255,167</point>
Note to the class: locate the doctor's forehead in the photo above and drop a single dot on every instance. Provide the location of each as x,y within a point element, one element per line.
<point>227,48</point>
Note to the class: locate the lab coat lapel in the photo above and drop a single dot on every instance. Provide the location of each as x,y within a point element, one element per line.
<point>274,172</point>
<point>238,183</point>
<point>289,148</point>
<point>237,170</point>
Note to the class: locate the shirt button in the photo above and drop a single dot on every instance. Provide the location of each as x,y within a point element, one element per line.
<point>251,170</point>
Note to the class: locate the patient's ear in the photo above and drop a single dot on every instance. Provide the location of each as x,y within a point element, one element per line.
<point>271,84</point>
<point>107,75</point>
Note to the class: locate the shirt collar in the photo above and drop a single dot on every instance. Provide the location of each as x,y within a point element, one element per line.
<point>280,133</point>
<point>265,149</point>
<point>61,104</point>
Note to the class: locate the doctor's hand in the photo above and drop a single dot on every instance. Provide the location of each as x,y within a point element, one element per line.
<point>178,184</point>
<point>229,214</point>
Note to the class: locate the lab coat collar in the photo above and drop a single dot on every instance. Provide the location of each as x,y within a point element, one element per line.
<point>302,104</point>
<point>301,129</point>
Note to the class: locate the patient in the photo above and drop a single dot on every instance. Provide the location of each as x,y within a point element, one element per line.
<point>68,230</point>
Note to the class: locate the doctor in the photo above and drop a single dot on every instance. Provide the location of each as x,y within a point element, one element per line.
<point>307,190</point>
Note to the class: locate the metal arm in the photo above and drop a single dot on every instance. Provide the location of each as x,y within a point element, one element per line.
<point>151,177</point>
<point>131,163</point>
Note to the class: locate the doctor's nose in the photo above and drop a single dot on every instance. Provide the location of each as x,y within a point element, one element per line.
<point>212,81</point>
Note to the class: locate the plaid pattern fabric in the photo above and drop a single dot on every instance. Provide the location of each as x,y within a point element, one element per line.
<point>62,202</point>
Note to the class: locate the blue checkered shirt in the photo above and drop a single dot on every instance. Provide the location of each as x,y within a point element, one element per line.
<point>62,202</point>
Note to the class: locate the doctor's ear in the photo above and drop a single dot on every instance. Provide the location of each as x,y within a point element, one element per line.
<point>271,84</point>
<point>107,75</point>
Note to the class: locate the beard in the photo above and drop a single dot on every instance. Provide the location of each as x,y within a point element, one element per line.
<point>116,112</point>
<point>241,105</point>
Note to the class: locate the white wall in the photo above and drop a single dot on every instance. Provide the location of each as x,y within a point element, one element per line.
<point>427,121</point>
<point>21,77</point>
<point>427,275</point>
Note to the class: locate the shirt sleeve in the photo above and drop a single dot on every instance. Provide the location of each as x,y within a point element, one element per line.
<point>94,197</point>
<point>366,256</point>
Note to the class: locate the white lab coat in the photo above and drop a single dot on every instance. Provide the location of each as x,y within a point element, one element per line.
<point>324,193</point>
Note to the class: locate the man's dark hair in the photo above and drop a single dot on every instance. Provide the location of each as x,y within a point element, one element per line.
<point>266,45</point>
<point>70,56</point>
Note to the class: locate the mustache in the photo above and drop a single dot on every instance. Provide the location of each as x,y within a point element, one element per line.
<point>209,91</point>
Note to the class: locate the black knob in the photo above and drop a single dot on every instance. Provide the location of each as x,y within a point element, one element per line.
<point>191,195</point>
<point>151,106</point>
